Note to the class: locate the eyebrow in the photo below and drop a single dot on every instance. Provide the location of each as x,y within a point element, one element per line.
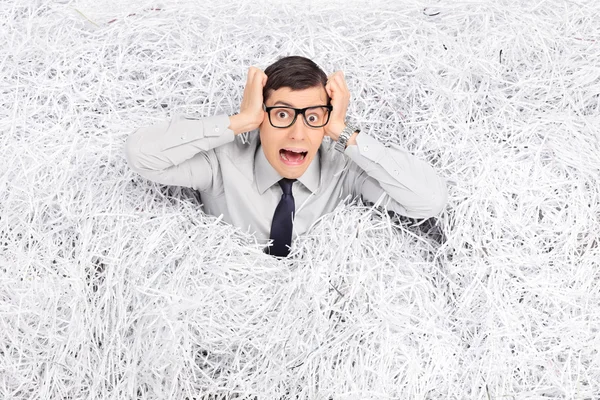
<point>283,103</point>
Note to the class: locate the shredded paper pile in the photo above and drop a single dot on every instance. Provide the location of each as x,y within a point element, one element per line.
<point>115,287</point>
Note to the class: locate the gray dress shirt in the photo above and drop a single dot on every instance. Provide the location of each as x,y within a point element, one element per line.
<point>237,182</point>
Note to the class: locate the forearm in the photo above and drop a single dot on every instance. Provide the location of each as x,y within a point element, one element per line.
<point>412,183</point>
<point>238,123</point>
<point>167,144</point>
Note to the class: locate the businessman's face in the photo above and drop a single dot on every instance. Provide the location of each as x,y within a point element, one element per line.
<point>290,150</point>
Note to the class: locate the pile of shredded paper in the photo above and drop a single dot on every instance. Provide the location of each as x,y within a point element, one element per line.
<point>114,287</point>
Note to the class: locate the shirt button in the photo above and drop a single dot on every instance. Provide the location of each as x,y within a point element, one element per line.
<point>216,128</point>
<point>183,137</point>
<point>366,148</point>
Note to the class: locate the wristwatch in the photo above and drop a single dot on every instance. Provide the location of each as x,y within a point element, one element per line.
<point>342,141</point>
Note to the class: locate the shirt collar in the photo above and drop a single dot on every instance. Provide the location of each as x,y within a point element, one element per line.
<point>266,176</point>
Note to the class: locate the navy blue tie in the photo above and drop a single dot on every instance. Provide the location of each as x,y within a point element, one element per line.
<point>281,227</point>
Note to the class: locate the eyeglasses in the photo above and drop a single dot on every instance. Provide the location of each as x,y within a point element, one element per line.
<point>284,117</point>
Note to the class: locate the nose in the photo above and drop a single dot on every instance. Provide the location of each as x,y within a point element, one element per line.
<point>298,130</point>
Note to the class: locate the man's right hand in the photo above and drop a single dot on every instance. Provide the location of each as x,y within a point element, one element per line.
<point>251,111</point>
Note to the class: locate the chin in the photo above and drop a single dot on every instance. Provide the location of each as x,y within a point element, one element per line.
<point>292,174</point>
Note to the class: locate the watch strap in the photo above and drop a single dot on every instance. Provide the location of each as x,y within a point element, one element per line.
<point>342,141</point>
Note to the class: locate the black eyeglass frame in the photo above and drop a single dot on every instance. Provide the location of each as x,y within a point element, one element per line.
<point>296,112</point>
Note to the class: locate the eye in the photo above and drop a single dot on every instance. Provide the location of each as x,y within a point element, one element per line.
<point>313,118</point>
<point>281,114</point>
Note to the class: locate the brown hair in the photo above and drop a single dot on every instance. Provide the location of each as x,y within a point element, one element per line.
<point>294,72</point>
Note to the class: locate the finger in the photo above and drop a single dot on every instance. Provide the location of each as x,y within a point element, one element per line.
<point>336,75</point>
<point>342,80</point>
<point>331,77</point>
<point>249,78</point>
<point>328,89</point>
<point>335,86</point>
<point>340,88</point>
<point>253,79</point>
<point>259,75</point>
<point>345,85</point>
<point>257,81</point>
<point>252,71</point>
<point>339,78</point>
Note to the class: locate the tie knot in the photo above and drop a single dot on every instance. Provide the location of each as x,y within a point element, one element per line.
<point>286,185</point>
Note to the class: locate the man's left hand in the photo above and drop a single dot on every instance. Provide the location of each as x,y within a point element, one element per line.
<point>340,98</point>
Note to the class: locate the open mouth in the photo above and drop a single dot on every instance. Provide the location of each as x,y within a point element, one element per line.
<point>292,156</point>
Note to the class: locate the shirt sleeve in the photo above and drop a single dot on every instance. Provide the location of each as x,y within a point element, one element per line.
<point>178,152</point>
<point>394,178</point>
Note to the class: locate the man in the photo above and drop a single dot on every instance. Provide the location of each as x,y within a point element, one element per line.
<point>280,181</point>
